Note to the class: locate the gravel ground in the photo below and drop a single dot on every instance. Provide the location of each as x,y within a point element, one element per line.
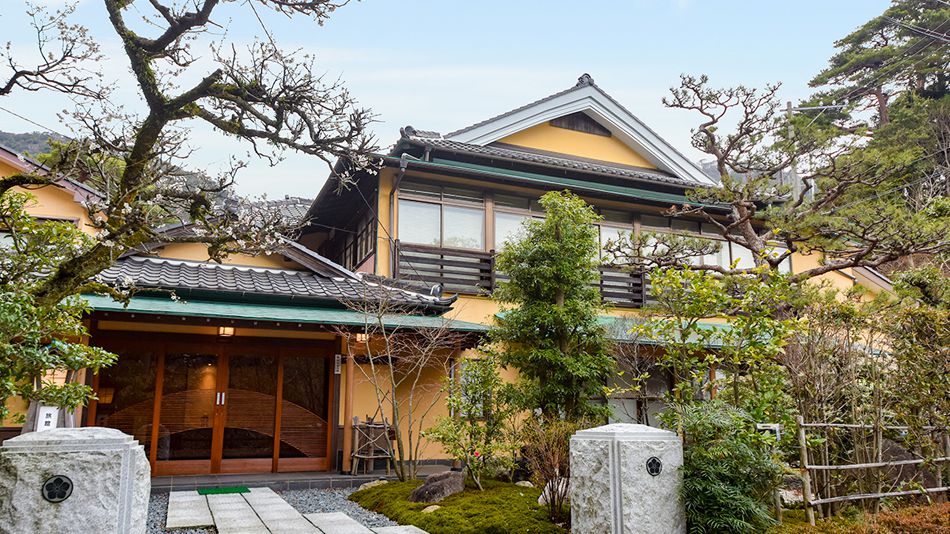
<point>305,501</point>
<point>317,501</point>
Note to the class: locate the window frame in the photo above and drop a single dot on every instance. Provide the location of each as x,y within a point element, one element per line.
<point>442,201</point>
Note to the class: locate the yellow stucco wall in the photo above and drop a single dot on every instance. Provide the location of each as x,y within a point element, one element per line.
<point>199,252</point>
<point>571,142</point>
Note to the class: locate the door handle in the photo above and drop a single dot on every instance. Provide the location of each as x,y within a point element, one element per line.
<point>222,398</point>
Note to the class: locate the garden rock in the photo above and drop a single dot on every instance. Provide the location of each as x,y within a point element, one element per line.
<point>563,485</point>
<point>431,508</point>
<point>524,484</point>
<point>372,484</point>
<point>439,486</point>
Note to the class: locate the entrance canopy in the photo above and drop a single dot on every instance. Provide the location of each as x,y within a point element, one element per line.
<point>270,313</point>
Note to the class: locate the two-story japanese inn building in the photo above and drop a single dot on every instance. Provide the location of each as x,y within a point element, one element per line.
<point>244,373</point>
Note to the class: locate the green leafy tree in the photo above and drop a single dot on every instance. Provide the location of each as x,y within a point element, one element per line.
<point>920,339</point>
<point>704,322</point>
<point>478,434</point>
<point>893,54</point>
<point>548,328</point>
<point>37,338</point>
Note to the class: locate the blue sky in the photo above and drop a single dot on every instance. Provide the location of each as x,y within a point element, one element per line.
<point>442,65</point>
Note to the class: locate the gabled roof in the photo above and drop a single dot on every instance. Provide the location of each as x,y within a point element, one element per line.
<point>588,98</point>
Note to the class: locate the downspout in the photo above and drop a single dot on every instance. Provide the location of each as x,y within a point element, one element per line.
<point>403,164</point>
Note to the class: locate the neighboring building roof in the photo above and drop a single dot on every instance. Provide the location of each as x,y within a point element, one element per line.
<point>81,192</point>
<point>586,97</point>
<point>292,209</point>
<point>148,273</point>
<point>251,312</point>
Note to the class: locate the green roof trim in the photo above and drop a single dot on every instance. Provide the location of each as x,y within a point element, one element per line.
<point>618,328</point>
<point>270,313</point>
<point>557,181</point>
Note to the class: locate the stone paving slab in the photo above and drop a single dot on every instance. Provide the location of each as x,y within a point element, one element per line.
<point>187,509</point>
<point>277,514</point>
<point>400,529</point>
<point>233,515</point>
<point>337,523</point>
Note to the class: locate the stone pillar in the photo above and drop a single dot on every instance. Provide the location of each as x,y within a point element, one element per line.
<point>74,480</point>
<point>625,479</point>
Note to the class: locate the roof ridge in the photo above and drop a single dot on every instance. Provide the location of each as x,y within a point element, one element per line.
<point>583,80</point>
<point>214,265</point>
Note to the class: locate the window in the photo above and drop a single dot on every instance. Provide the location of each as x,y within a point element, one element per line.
<point>463,227</point>
<point>507,227</point>
<point>775,251</point>
<point>420,222</point>
<point>610,234</point>
<point>653,223</point>
<point>742,256</point>
<point>511,211</point>
<point>359,244</point>
<point>440,216</point>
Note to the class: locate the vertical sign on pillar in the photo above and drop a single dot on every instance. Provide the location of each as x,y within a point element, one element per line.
<point>336,363</point>
<point>47,417</point>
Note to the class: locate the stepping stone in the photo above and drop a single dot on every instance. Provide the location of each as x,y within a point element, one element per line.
<point>187,509</point>
<point>337,523</point>
<point>400,529</point>
<point>233,515</point>
<point>277,514</point>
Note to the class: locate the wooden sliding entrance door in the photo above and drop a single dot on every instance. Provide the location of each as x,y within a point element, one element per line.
<point>206,406</point>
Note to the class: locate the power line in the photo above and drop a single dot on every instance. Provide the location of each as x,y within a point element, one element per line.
<point>919,30</point>
<point>882,193</point>
<point>893,62</point>
<point>33,122</point>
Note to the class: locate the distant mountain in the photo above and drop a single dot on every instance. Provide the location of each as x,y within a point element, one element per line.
<point>31,143</point>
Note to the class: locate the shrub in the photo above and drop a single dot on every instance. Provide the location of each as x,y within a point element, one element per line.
<point>476,435</point>
<point>500,509</point>
<point>728,472</point>
<point>933,519</point>
<point>548,451</point>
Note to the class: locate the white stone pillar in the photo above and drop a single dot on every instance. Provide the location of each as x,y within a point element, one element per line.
<point>74,480</point>
<point>625,479</point>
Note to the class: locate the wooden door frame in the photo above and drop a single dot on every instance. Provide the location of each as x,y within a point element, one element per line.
<point>163,343</point>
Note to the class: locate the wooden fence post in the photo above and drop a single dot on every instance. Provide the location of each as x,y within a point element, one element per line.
<point>806,477</point>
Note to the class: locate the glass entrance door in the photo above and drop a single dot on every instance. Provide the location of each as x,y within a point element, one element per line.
<point>188,411</point>
<point>202,405</point>
<point>250,408</point>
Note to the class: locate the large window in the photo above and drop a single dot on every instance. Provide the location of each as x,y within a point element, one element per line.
<point>511,211</point>
<point>727,253</point>
<point>440,216</point>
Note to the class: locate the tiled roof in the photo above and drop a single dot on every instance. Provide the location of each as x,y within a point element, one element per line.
<point>292,209</point>
<point>578,164</point>
<point>161,273</point>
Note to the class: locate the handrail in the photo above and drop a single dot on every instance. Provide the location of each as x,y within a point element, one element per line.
<point>474,272</point>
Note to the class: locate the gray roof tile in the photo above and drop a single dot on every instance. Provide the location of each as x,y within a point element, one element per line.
<point>161,273</point>
<point>510,152</point>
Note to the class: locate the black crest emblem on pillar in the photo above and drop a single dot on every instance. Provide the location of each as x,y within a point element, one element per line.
<point>57,488</point>
<point>654,466</point>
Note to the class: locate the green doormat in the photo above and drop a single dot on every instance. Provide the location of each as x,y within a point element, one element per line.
<point>218,491</point>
